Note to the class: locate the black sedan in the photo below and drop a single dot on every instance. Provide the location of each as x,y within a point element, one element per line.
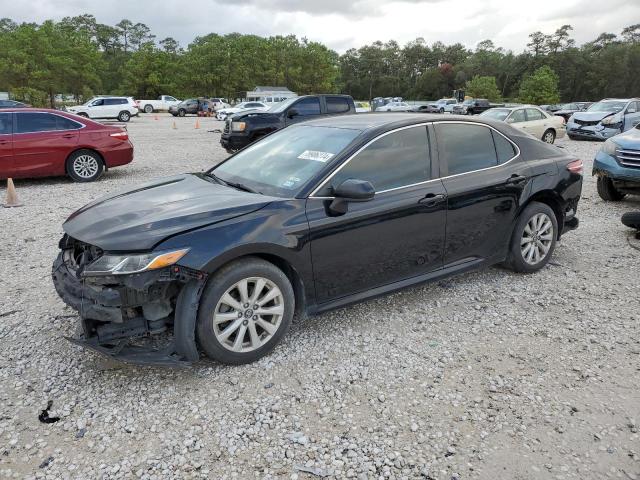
<point>313,217</point>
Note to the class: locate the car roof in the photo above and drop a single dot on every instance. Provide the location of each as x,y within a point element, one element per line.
<point>620,99</point>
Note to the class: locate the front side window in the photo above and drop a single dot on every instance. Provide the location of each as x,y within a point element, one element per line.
<point>308,106</point>
<point>465,147</point>
<point>5,123</point>
<point>518,116</point>
<point>98,102</point>
<point>283,162</point>
<point>337,105</point>
<point>394,160</point>
<point>35,122</point>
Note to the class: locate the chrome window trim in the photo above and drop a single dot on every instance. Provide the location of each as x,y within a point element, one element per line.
<point>49,131</point>
<point>331,175</point>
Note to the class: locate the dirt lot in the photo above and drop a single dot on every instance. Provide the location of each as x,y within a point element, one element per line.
<point>490,375</point>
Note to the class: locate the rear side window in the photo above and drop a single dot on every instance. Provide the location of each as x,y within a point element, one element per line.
<point>308,106</point>
<point>395,160</point>
<point>63,123</point>
<point>337,105</point>
<point>465,148</point>
<point>5,123</point>
<point>533,114</point>
<point>504,148</point>
<point>35,122</point>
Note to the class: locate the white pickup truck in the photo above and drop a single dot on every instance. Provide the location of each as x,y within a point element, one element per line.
<point>162,104</point>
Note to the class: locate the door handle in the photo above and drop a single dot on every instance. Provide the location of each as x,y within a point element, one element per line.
<point>516,179</point>
<point>68,135</point>
<point>4,142</point>
<point>432,199</point>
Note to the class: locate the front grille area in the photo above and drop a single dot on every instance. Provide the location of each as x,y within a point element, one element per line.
<point>586,123</point>
<point>628,158</point>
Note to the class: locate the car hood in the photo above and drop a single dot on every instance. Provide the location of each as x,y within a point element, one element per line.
<point>591,116</point>
<point>244,114</point>
<point>629,139</point>
<point>140,218</point>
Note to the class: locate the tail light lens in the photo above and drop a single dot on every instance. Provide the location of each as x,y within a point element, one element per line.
<point>120,135</point>
<point>576,167</point>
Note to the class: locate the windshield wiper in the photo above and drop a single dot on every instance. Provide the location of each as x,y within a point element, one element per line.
<point>239,186</point>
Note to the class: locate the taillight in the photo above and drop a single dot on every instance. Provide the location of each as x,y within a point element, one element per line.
<point>576,167</point>
<point>120,135</point>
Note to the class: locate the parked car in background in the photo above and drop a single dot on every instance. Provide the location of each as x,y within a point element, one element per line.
<point>13,104</point>
<point>605,119</point>
<point>223,113</point>
<point>617,166</point>
<point>122,108</point>
<point>162,104</point>
<point>445,104</point>
<point>551,108</point>
<point>314,217</point>
<point>395,107</point>
<point>244,128</point>
<point>530,119</point>
<point>188,106</point>
<point>218,103</point>
<point>362,107</point>
<point>425,109</point>
<point>567,109</point>
<point>473,106</point>
<point>44,143</point>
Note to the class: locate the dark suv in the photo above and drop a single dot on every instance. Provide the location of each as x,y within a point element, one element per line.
<point>246,127</point>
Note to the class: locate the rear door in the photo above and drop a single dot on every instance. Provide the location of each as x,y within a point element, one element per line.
<point>42,141</point>
<point>6,144</point>
<point>484,182</point>
<point>537,122</point>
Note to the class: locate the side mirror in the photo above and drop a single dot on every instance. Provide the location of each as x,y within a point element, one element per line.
<point>292,112</point>
<point>350,190</point>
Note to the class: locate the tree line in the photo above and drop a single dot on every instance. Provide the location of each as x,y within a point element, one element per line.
<point>79,56</point>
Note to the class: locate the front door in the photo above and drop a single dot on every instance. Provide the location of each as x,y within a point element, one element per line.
<point>6,145</point>
<point>397,235</point>
<point>305,109</point>
<point>484,182</point>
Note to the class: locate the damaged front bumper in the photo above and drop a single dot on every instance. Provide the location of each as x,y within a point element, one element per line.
<point>124,316</point>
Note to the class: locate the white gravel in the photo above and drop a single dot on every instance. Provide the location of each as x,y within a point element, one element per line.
<point>489,375</point>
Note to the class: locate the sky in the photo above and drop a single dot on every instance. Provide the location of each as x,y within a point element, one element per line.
<point>343,24</point>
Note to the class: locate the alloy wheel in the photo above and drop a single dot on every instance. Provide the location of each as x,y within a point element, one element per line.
<point>537,238</point>
<point>248,314</point>
<point>86,166</point>
<point>549,137</point>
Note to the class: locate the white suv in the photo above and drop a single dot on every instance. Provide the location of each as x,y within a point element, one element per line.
<point>122,108</point>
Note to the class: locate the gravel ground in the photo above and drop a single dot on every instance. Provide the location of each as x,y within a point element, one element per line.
<point>489,375</point>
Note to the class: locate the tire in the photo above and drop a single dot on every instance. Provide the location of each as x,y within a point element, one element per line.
<point>182,112</point>
<point>82,114</point>
<point>534,236</point>
<point>631,220</point>
<point>124,116</point>
<point>148,109</point>
<point>607,190</point>
<point>224,345</point>
<point>549,136</point>
<point>442,110</point>
<point>85,166</point>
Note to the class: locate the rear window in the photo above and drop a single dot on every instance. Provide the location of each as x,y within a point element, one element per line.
<point>337,105</point>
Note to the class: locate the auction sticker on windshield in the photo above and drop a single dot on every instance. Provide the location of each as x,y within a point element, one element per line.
<point>315,155</point>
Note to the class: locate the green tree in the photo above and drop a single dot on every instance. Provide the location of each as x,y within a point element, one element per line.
<point>541,87</point>
<point>483,87</point>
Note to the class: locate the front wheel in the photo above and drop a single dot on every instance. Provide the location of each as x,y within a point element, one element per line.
<point>182,112</point>
<point>534,238</point>
<point>85,166</point>
<point>607,190</point>
<point>549,136</point>
<point>245,311</point>
<point>442,110</point>
<point>124,116</point>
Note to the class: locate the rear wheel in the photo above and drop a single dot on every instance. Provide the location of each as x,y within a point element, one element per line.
<point>245,310</point>
<point>549,136</point>
<point>608,191</point>
<point>182,112</point>
<point>631,220</point>
<point>442,110</point>
<point>85,166</point>
<point>124,116</point>
<point>534,238</point>
<point>148,109</point>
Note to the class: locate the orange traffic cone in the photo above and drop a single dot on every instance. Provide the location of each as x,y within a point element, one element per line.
<point>155,117</point>
<point>12,196</point>
<point>174,126</point>
<point>197,123</point>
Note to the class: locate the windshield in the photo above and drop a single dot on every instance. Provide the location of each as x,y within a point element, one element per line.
<point>281,107</point>
<point>280,164</point>
<point>496,113</point>
<point>607,107</point>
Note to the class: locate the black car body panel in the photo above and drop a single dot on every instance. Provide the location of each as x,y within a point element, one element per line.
<point>403,236</point>
<point>260,123</point>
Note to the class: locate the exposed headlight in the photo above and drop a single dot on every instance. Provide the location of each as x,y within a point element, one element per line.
<point>126,264</point>
<point>609,147</point>
<point>611,120</point>
<point>238,126</point>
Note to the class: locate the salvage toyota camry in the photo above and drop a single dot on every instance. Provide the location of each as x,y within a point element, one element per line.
<point>313,217</point>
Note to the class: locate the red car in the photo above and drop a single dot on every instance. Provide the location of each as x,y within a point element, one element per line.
<point>44,143</point>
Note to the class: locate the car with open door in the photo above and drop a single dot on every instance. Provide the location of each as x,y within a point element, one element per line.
<point>313,217</point>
